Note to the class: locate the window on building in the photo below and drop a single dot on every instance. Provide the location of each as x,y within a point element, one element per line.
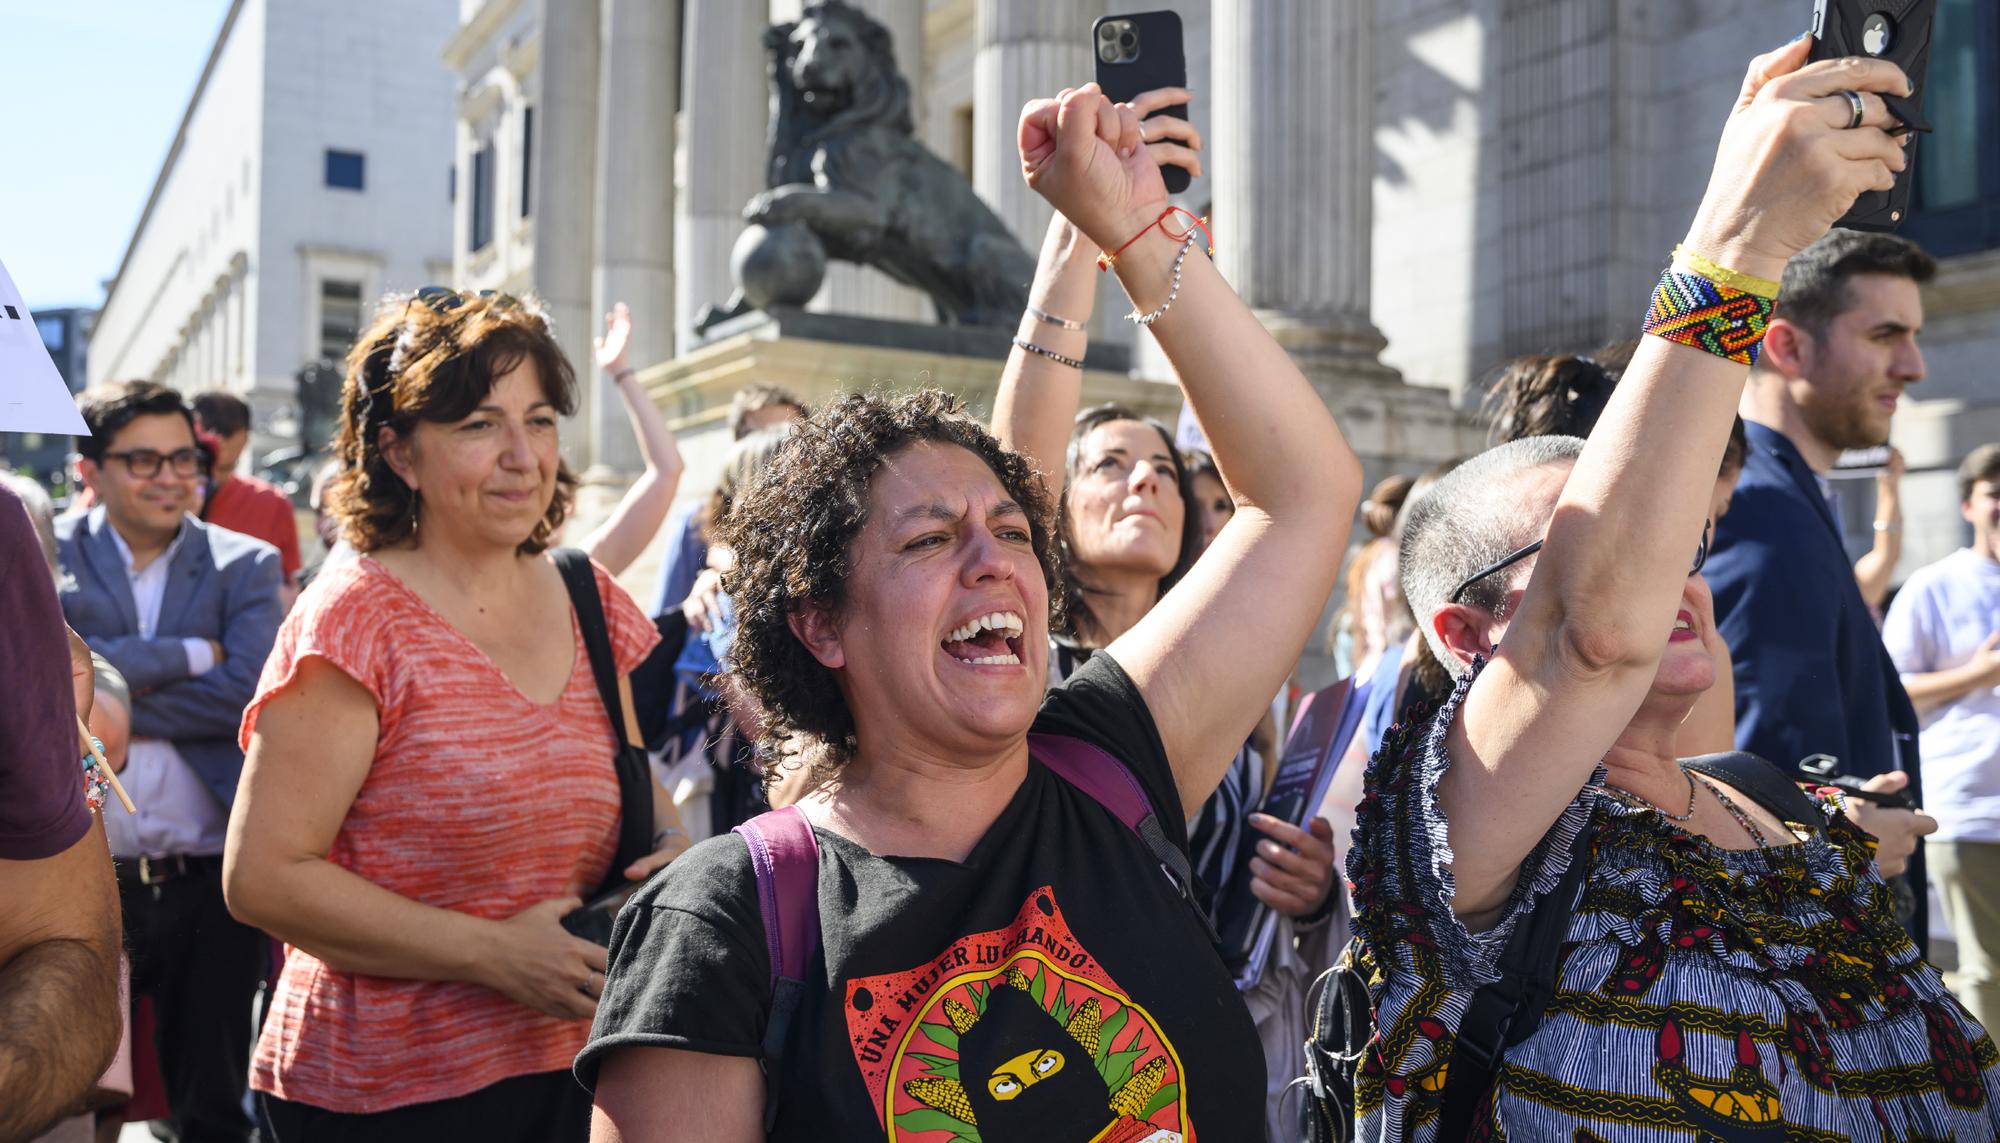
<point>339,317</point>
<point>1957,193</point>
<point>527,160</point>
<point>961,140</point>
<point>347,170</point>
<point>482,197</point>
<point>52,330</point>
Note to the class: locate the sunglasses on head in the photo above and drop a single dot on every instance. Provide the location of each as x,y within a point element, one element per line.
<point>1515,557</point>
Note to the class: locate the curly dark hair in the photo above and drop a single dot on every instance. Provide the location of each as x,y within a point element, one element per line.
<point>419,361</point>
<point>1078,622</point>
<point>793,532</point>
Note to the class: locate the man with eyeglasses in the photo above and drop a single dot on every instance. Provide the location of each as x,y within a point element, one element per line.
<point>186,612</point>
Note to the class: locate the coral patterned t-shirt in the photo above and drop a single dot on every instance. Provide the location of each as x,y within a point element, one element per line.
<point>479,800</point>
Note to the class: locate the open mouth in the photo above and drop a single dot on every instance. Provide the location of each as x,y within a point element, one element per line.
<point>1683,628</point>
<point>991,640</point>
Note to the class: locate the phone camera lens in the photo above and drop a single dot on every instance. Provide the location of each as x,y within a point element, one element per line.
<point>1129,40</point>
<point>1107,32</point>
<point>1878,34</point>
<point>1108,52</point>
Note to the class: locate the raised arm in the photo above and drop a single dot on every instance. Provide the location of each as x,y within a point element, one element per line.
<point>1581,652</point>
<point>637,518</point>
<point>1211,654</point>
<point>1877,566</point>
<point>1038,398</point>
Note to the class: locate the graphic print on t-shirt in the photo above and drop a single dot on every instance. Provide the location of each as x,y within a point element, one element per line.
<point>1016,1034</point>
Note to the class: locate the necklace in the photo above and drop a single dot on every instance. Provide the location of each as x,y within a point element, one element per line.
<point>1629,796</point>
<point>1736,811</point>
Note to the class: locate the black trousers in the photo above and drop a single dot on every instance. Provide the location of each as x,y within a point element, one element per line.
<point>548,1107</point>
<point>200,967</point>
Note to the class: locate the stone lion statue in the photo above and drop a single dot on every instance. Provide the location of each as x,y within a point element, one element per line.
<point>849,180</point>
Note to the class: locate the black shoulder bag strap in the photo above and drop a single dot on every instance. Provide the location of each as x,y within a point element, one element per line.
<point>1763,780</point>
<point>1507,1011</point>
<point>635,779</point>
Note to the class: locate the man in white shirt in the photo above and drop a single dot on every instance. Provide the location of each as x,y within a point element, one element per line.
<point>1944,633</point>
<point>187,613</point>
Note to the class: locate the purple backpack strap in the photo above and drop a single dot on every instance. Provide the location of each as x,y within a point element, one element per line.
<point>1111,784</point>
<point>784,854</point>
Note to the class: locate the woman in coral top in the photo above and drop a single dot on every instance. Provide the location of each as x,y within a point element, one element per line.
<point>429,782</point>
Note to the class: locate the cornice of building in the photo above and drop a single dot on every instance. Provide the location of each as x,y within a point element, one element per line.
<point>1968,283</point>
<point>478,31</point>
<point>174,151</point>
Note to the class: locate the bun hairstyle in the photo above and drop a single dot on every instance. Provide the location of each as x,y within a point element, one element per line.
<point>1547,394</point>
<point>1378,512</point>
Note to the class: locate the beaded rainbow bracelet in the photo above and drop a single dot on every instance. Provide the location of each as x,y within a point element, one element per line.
<point>1698,311</point>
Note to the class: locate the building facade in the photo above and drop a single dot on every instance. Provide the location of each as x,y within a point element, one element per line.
<point>311,174</point>
<point>1409,191</point>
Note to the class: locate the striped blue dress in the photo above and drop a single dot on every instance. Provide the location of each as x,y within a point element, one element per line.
<point>1705,994</point>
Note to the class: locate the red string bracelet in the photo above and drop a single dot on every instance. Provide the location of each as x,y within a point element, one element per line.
<point>1195,222</point>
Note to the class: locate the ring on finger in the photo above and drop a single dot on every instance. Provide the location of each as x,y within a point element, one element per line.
<point>1857,108</point>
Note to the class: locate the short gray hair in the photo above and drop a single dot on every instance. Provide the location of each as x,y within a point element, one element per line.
<point>1470,518</point>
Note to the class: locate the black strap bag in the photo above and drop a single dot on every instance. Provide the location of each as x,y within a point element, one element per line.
<point>592,922</point>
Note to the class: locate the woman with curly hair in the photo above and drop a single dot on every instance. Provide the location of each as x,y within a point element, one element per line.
<point>999,954</point>
<point>430,783</point>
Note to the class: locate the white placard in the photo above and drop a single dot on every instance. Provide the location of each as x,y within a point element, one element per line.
<point>33,398</point>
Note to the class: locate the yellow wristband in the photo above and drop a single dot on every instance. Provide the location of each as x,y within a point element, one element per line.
<point>1693,263</point>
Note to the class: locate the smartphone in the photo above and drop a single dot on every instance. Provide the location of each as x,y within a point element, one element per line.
<point>1136,53</point>
<point>1894,30</point>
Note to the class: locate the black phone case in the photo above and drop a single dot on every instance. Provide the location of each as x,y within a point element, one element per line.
<point>1161,62</point>
<point>1837,28</point>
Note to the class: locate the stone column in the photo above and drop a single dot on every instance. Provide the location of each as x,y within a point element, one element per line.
<point>1027,49</point>
<point>1294,166</point>
<point>725,118</point>
<point>566,166</point>
<point>638,96</point>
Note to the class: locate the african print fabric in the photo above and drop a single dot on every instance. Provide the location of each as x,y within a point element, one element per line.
<point>1705,994</point>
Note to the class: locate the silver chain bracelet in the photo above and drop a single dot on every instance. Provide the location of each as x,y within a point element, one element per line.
<point>1173,290</point>
<point>1045,351</point>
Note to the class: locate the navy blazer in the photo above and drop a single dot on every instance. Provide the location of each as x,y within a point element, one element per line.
<point>1812,675</point>
<point>223,586</point>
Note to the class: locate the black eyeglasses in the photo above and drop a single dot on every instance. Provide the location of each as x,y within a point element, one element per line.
<point>1515,557</point>
<point>145,463</point>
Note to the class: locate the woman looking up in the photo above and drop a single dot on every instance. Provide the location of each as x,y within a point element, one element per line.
<point>998,951</point>
<point>1730,963</point>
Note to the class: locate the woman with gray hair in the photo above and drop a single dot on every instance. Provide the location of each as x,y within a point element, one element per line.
<point>1725,961</point>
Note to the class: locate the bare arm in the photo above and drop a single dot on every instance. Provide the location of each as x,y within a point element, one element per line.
<point>637,518</point>
<point>59,1007</point>
<point>312,748</point>
<point>1038,397</point>
<point>1877,566</point>
<point>1932,689</point>
<point>660,1095</point>
<point>1211,654</point>
<point>1581,652</point>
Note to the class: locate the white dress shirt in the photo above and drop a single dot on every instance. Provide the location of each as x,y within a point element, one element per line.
<point>177,814</point>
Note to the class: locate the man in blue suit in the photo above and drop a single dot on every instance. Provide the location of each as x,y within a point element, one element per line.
<point>1812,676</point>
<point>187,613</point>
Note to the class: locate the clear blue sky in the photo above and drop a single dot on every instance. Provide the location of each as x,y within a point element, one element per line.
<point>92,90</point>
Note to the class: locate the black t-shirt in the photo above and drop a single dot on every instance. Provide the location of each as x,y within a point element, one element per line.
<point>1052,987</point>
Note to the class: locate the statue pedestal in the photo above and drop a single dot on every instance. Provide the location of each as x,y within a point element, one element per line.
<point>818,355</point>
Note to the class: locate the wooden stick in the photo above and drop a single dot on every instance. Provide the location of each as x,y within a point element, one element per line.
<point>117,787</point>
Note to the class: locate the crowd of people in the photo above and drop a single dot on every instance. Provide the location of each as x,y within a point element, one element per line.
<point>929,797</point>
